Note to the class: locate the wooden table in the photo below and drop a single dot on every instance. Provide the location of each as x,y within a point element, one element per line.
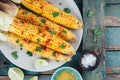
<point>106,45</point>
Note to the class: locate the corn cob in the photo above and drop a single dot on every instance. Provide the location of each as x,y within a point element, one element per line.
<point>51,12</point>
<point>32,47</point>
<point>46,24</point>
<point>33,33</point>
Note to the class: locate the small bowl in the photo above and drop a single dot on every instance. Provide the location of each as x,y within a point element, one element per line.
<point>68,69</point>
<point>90,68</point>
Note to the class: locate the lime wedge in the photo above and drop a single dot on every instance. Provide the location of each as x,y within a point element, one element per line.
<point>15,74</point>
<point>40,62</point>
<point>34,78</point>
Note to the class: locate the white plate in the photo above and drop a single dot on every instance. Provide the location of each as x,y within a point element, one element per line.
<point>26,62</point>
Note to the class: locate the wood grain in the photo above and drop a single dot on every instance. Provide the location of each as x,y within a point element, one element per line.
<point>113,77</point>
<point>92,42</point>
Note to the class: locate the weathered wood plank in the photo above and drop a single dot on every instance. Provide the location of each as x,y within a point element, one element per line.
<point>92,42</point>
<point>113,77</point>
<point>112,1</point>
<point>113,70</point>
<point>112,59</point>
<point>41,77</point>
<point>112,36</point>
<point>112,10</point>
<point>112,47</point>
<point>112,21</point>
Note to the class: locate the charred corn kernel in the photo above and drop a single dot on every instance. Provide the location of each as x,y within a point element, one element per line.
<point>33,33</point>
<point>51,12</point>
<point>46,24</point>
<point>31,46</point>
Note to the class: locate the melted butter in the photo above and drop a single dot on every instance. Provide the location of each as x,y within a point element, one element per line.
<point>66,76</point>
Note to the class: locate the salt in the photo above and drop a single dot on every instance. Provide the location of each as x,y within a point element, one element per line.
<point>88,60</point>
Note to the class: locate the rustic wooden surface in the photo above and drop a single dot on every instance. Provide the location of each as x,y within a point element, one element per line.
<point>5,64</point>
<point>92,42</point>
<point>112,19</point>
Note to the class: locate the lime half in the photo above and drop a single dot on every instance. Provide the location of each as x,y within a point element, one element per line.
<point>40,62</point>
<point>15,74</point>
<point>34,78</point>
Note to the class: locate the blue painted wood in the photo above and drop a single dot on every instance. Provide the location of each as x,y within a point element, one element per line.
<point>112,36</point>
<point>112,59</point>
<point>113,10</point>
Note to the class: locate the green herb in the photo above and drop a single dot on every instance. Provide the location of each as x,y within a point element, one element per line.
<point>54,54</point>
<point>38,15</point>
<point>26,29</point>
<point>17,41</point>
<point>55,14</point>
<point>38,49</point>
<point>43,20</point>
<point>97,32</point>
<point>51,31</point>
<point>64,31</point>
<point>57,61</point>
<point>14,54</point>
<point>67,10</point>
<point>38,40</point>
<point>21,46</point>
<point>29,53</point>
<point>91,13</point>
<point>26,12</point>
<point>62,46</point>
<point>60,3</point>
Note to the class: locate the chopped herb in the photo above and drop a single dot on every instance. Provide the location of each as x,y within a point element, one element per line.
<point>54,54</point>
<point>64,31</point>
<point>21,46</point>
<point>91,13</point>
<point>51,31</point>
<point>14,54</point>
<point>97,32</point>
<point>26,29</point>
<point>67,10</point>
<point>77,22</point>
<point>62,46</point>
<point>60,3</point>
<point>38,49</point>
<point>43,20</point>
<point>38,15</point>
<point>17,41</point>
<point>55,14</point>
<point>26,12</point>
<point>57,61</point>
<point>38,40</point>
<point>29,53</point>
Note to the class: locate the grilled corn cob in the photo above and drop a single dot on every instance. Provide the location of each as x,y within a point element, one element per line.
<point>33,47</point>
<point>46,24</point>
<point>33,33</point>
<point>51,12</point>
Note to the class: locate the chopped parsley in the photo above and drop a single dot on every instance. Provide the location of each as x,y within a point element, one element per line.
<point>55,14</point>
<point>62,46</point>
<point>38,49</point>
<point>29,53</point>
<point>43,20</point>
<point>54,54</point>
<point>67,10</point>
<point>90,13</point>
<point>14,54</point>
<point>38,40</point>
<point>60,3</point>
<point>38,15</point>
<point>97,32</point>
<point>64,31</point>
<point>51,31</point>
<point>21,46</point>
<point>17,41</point>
